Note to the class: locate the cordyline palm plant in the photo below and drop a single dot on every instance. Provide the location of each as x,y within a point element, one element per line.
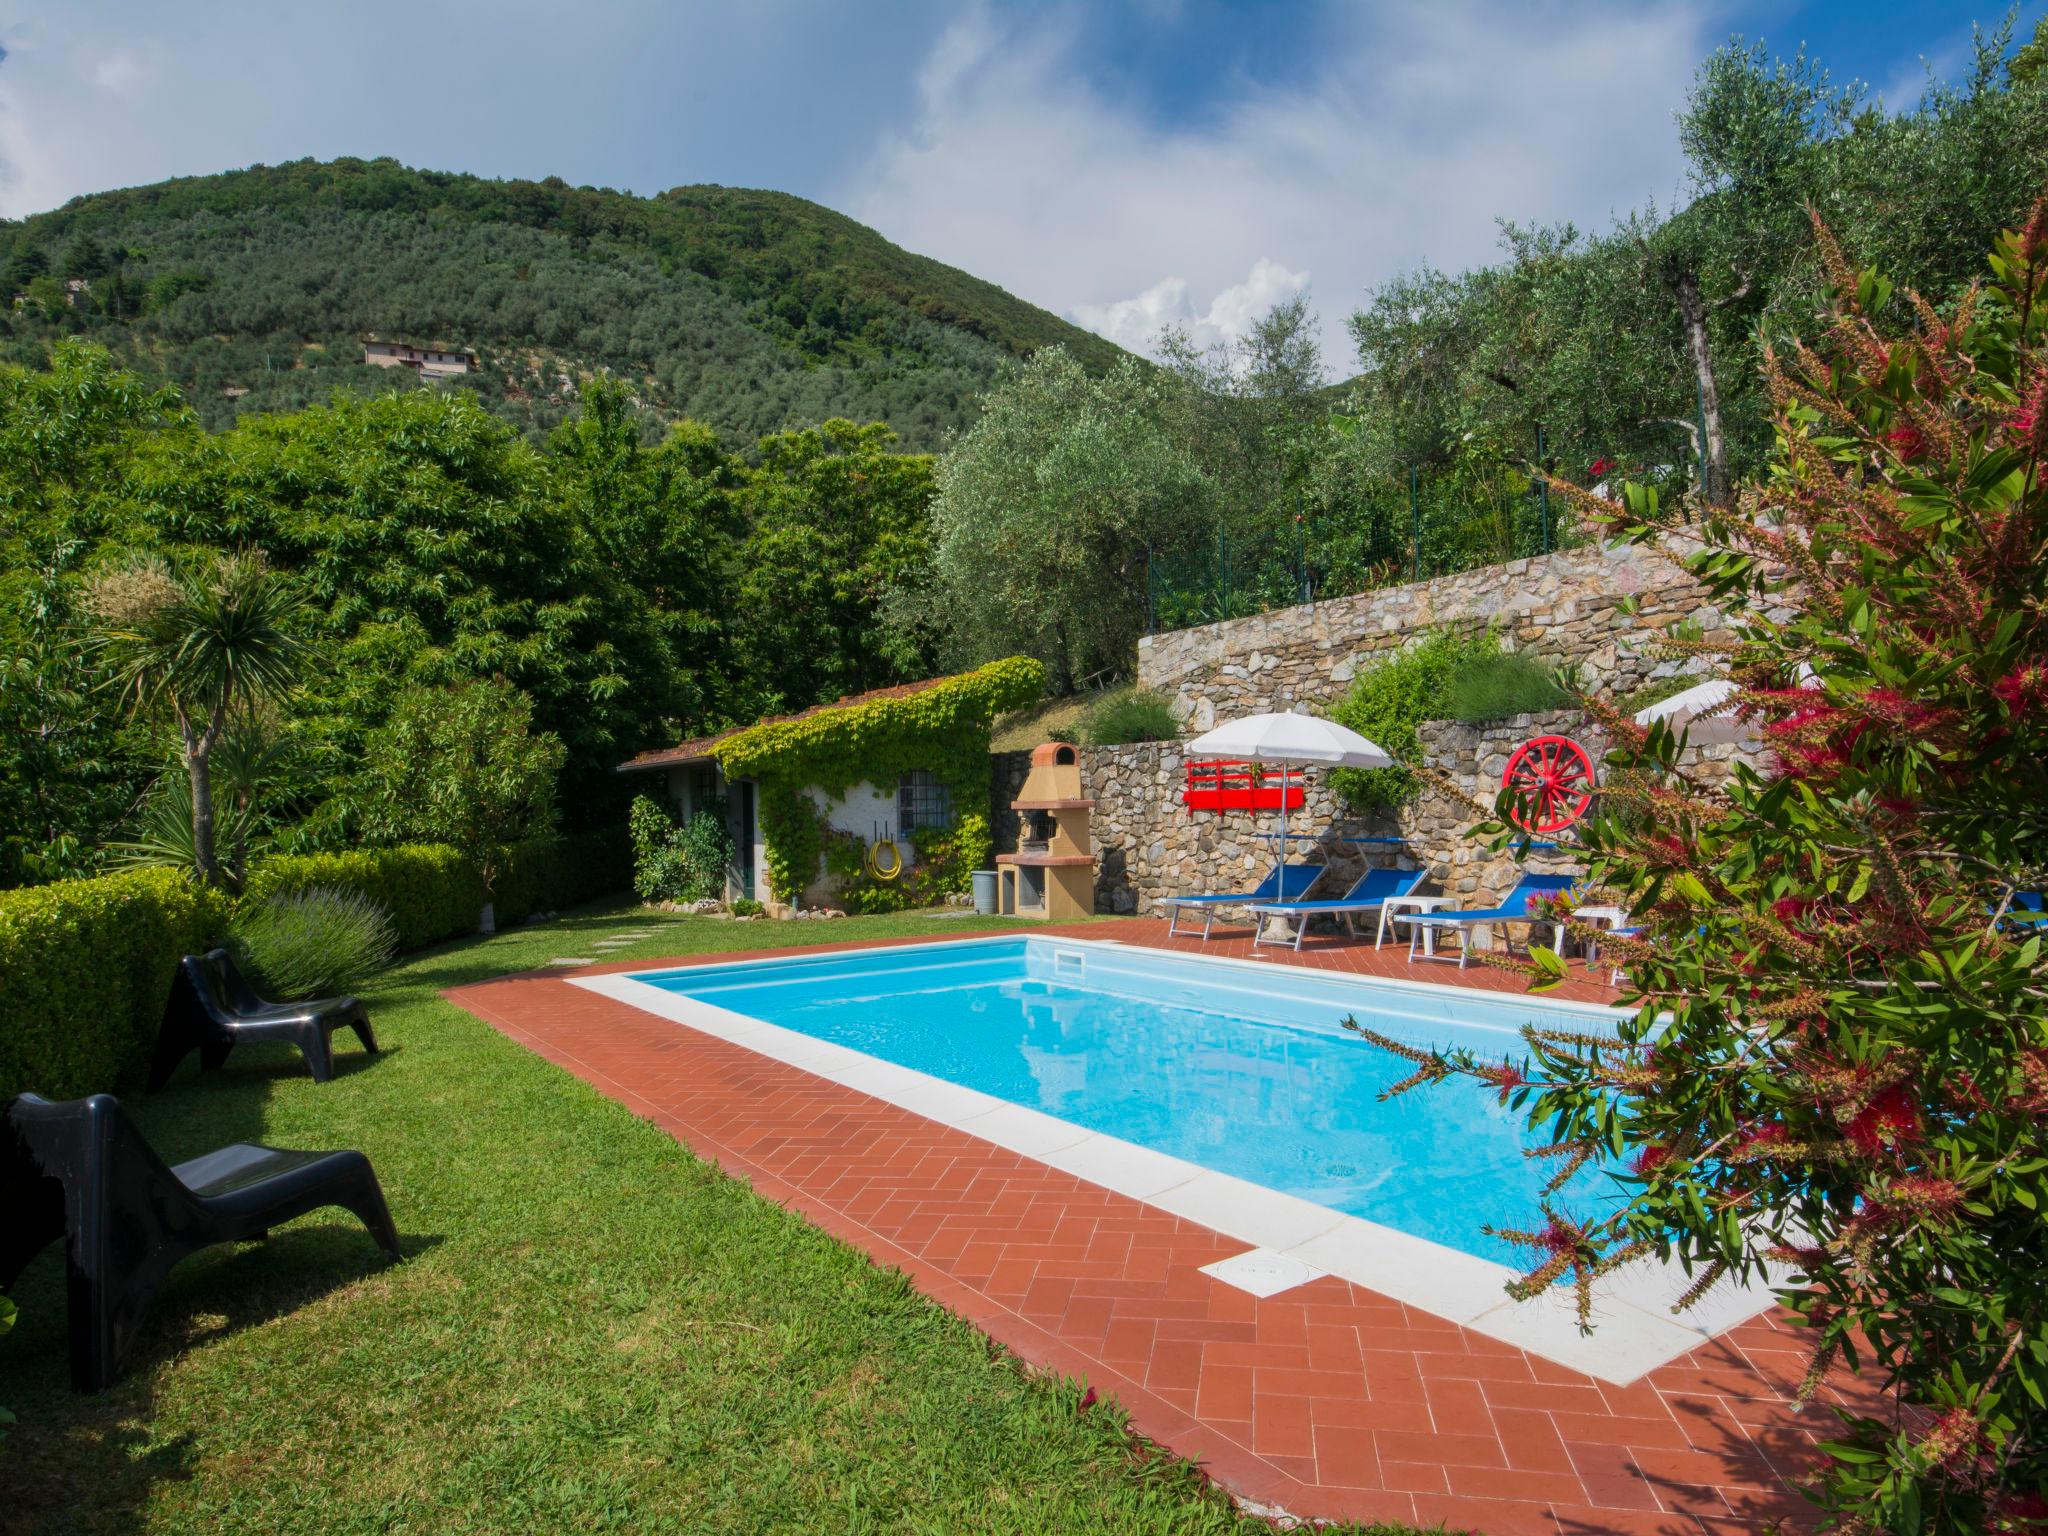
<point>1840,1062</point>
<point>204,643</point>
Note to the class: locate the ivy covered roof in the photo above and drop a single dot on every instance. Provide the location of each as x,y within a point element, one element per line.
<point>701,749</point>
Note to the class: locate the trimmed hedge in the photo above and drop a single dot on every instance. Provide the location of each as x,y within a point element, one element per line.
<point>431,892</point>
<point>546,874</point>
<point>85,966</point>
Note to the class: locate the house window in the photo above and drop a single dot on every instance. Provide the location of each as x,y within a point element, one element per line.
<point>921,801</point>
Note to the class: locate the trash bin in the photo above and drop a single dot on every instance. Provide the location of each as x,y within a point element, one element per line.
<point>985,892</point>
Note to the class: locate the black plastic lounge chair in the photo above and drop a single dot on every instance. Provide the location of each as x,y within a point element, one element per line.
<point>79,1171</point>
<point>212,1009</point>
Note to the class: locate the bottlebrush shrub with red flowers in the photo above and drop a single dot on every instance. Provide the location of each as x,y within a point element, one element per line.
<point>1840,1060</point>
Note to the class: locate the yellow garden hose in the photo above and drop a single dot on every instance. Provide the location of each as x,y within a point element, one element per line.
<point>885,849</point>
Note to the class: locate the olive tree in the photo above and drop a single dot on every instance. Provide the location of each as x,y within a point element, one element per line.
<point>1047,512</point>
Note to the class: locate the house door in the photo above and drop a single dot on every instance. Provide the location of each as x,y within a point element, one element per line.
<point>745,791</point>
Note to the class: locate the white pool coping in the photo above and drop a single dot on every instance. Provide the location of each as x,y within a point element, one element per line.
<point>1635,1329</point>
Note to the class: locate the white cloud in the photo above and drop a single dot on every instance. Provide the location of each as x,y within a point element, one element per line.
<point>1419,127</point>
<point>118,73</point>
<point>1135,323</point>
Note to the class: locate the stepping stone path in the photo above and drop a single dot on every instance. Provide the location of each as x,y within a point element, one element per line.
<point>617,940</point>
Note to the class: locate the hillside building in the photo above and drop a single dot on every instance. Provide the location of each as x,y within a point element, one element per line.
<point>427,362</point>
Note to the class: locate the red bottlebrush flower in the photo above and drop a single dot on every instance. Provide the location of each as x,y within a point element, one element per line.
<point>2028,425</point>
<point>1804,1256</point>
<point>1651,1158</point>
<point>1598,468</point>
<point>1087,1401</point>
<point>1789,909</point>
<point>2022,1512</point>
<point>1673,848</point>
<point>1909,443</point>
<point>1899,806</point>
<point>1886,1120</point>
<point>2035,236</point>
<point>1507,1077</point>
<point>2032,1094</point>
<point>1955,1439</point>
<point>2023,688</point>
<point>1962,1088</point>
<point>1761,1142</point>
<point>1559,1238</point>
<point>1925,1195</point>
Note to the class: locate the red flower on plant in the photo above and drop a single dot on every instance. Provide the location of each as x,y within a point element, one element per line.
<point>1652,1157</point>
<point>1598,468</point>
<point>1761,1142</point>
<point>1925,1195</point>
<point>1955,1440</point>
<point>1087,1401</point>
<point>2023,688</point>
<point>2023,1511</point>
<point>2029,424</point>
<point>1507,1077</point>
<point>1887,1120</point>
<point>1909,443</point>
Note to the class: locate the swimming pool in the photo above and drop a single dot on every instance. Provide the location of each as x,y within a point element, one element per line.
<point>1245,1071</point>
<point>1221,1090</point>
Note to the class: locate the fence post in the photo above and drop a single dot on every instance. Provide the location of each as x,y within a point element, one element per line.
<point>1542,488</point>
<point>1414,528</point>
<point>1151,592</point>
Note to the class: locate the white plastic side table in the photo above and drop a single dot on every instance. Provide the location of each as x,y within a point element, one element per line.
<point>1608,918</point>
<point>1392,908</point>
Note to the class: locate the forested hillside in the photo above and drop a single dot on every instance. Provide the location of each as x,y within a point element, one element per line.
<point>750,311</point>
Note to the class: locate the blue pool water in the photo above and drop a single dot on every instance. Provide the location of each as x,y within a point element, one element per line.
<point>1241,1070</point>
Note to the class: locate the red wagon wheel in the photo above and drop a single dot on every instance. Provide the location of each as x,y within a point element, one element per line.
<point>1553,783</point>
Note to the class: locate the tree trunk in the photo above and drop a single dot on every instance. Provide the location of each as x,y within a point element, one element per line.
<point>1692,314</point>
<point>200,771</point>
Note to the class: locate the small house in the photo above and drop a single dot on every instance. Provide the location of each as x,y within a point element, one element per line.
<point>872,801</point>
<point>427,362</point>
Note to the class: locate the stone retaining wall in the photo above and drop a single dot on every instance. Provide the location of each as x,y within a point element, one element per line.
<point>1599,607</point>
<point>1564,607</point>
<point>1148,845</point>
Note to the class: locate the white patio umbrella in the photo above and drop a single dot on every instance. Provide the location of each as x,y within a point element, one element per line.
<point>1682,712</point>
<point>1292,741</point>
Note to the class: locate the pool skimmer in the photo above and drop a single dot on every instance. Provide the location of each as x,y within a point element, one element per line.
<point>1263,1272</point>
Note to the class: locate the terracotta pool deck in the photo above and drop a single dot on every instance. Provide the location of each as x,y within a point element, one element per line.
<point>1327,1401</point>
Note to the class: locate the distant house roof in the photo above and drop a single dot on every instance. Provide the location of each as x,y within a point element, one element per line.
<point>698,749</point>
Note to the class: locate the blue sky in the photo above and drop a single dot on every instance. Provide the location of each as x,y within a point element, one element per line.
<point>1127,165</point>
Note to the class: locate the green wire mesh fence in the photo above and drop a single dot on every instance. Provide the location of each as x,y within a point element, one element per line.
<point>1434,529</point>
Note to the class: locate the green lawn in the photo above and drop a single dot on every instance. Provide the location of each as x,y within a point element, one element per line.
<point>593,1331</point>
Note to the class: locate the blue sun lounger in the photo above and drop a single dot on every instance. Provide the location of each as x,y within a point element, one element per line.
<point>1517,908</point>
<point>1369,893</point>
<point>1283,882</point>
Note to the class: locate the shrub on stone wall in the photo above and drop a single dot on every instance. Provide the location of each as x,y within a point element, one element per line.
<point>1129,715</point>
<point>1390,699</point>
<point>1497,686</point>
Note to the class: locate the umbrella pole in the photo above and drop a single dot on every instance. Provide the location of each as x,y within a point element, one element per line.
<point>1285,770</point>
